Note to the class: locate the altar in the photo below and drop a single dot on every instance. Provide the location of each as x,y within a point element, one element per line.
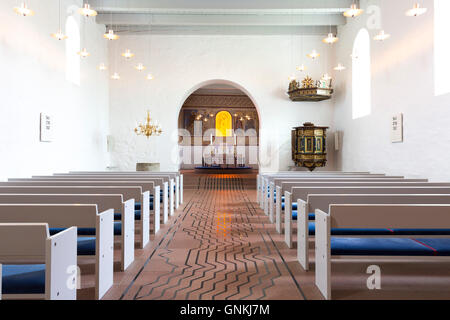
<point>223,156</point>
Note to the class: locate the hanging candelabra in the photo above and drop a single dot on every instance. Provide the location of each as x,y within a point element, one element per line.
<point>149,128</point>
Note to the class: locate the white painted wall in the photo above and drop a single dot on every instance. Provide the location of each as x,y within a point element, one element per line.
<point>32,81</point>
<point>259,65</point>
<point>402,81</point>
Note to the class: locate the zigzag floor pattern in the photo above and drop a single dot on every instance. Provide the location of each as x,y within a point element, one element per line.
<point>217,247</point>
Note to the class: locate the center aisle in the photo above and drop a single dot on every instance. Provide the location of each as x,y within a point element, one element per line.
<point>219,245</point>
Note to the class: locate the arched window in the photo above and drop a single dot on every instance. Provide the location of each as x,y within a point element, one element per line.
<point>72,49</point>
<point>441,47</point>
<point>224,124</point>
<point>361,75</point>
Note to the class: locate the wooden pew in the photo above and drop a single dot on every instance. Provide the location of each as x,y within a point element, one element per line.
<point>103,202</point>
<point>81,216</point>
<point>268,179</point>
<point>166,184</point>
<point>144,197</point>
<point>175,175</point>
<point>46,258</point>
<point>268,182</point>
<point>146,184</point>
<point>375,216</point>
<point>302,194</point>
<point>127,193</point>
<point>323,202</point>
<point>260,177</point>
<point>286,184</point>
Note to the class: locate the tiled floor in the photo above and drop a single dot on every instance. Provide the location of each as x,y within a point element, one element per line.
<point>220,245</point>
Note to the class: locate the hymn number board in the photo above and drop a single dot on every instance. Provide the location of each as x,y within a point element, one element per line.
<point>46,128</point>
<point>397,128</point>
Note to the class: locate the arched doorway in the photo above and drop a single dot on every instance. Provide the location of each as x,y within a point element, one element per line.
<point>219,129</point>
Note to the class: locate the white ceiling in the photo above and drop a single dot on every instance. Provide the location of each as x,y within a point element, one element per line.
<point>221,16</point>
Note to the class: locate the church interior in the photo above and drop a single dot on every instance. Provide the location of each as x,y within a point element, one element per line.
<point>284,150</point>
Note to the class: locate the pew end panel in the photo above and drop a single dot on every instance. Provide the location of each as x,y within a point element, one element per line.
<point>177,192</point>
<point>171,197</point>
<point>1,281</point>
<point>302,233</point>
<point>181,189</point>
<point>166,201</point>
<point>287,219</point>
<point>323,253</point>
<point>144,199</point>
<point>278,222</point>
<point>128,232</point>
<point>271,202</point>
<point>61,272</point>
<point>104,242</point>
<point>157,209</point>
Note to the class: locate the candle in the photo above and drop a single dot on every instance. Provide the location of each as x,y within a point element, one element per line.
<point>211,139</point>
<point>235,139</point>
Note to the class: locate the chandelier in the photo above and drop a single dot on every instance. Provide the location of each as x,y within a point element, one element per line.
<point>149,128</point>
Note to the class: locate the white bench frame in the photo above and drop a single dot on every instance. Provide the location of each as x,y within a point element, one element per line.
<point>403,216</point>
<point>302,211</point>
<point>103,202</point>
<point>281,185</point>
<point>65,216</point>
<point>323,201</point>
<point>57,252</point>
<point>142,196</point>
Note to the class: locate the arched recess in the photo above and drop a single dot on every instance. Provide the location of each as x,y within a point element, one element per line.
<point>228,124</point>
<point>361,76</point>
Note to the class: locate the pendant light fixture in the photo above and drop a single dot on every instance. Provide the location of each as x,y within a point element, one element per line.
<point>300,68</point>
<point>115,76</point>
<point>381,36</point>
<point>59,35</point>
<point>110,35</point>
<point>416,11</point>
<point>340,67</point>
<point>83,53</point>
<point>140,67</point>
<point>87,11</point>
<point>313,55</point>
<point>102,67</point>
<point>23,10</point>
<point>128,54</point>
<point>353,11</point>
<point>330,39</point>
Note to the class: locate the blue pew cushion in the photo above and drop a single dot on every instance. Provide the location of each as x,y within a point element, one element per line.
<point>23,279</point>
<point>311,216</point>
<point>137,215</point>
<point>86,246</point>
<point>294,206</point>
<point>390,247</point>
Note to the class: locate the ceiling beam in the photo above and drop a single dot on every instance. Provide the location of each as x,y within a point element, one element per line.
<point>217,20</point>
<point>221,5</point>
<point>223,30</point>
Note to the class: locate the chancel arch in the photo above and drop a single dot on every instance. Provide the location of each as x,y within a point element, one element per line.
<point>220,122</point>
